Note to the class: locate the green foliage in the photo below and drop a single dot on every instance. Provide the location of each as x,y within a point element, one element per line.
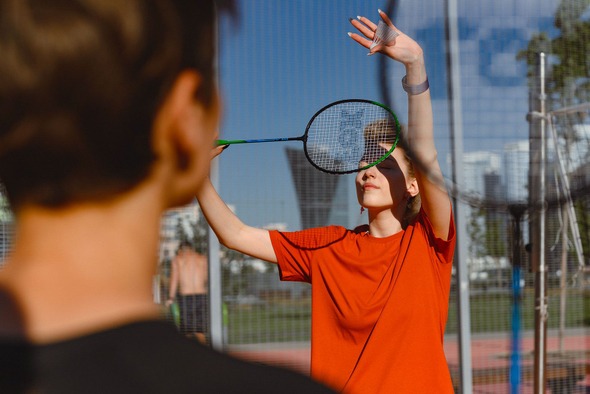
<point>582,208</point>
<point>487,234</point>
<point>476,232</point>
<point>5,214</point>
<point>568,77</point>
<point>198,239</point>
<point>181,234</point>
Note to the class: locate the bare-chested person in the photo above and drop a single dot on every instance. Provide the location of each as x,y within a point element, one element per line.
<point>189,269</point>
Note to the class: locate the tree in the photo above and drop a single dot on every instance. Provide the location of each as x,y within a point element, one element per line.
<point>568,77</point>
<point>181,234</point>
<point>475,230</point>
<point>199,239</point>
<point>567,83</point>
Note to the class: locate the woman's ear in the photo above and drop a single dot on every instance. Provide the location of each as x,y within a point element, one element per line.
<point>184,133</point>
<point>413,188</point>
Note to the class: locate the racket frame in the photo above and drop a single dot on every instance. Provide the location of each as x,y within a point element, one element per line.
<point>304,137</point>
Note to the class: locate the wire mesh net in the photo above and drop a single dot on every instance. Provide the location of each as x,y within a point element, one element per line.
<point>498,44</point>
<point>495,40</point>
<point>287,59</point>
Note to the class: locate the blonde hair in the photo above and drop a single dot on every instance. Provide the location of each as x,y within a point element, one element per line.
<point>375,130</point>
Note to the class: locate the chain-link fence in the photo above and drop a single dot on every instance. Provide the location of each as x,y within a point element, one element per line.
<point>282,61</point>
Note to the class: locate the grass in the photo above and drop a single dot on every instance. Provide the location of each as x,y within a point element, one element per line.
<point>492,312</point>
<point>291,321</point>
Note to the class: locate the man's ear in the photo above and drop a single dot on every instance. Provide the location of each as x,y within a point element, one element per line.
<point>183,138</point>
<point>173,112</point>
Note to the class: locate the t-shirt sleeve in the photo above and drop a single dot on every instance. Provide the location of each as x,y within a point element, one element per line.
<point>295,250</point>
<point>443,250</point>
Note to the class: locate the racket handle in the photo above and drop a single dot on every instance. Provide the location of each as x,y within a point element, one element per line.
<point>224,142</point>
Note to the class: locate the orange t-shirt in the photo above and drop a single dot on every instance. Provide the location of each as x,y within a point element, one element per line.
<point>379,305</point>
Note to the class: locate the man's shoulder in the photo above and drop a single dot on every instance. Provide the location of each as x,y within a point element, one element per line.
<point>184,364</point>
<point>152,357</point>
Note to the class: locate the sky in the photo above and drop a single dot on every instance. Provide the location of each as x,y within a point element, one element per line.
<point>284,60</point>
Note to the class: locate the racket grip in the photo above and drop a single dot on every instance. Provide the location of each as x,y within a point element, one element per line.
<point>224,142</point>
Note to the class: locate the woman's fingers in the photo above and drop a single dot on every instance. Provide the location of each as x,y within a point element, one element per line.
<point>217,151</point>
<point>376,48</point>
<point>367,22</point>
<point>362,28</point>
<point>386,19</point>
<point>363,41</point>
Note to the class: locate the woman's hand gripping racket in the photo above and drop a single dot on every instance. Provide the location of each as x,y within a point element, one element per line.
<point>344,134</point>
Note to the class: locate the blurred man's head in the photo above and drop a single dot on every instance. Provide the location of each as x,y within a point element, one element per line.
<point>96,93</point>
<point>185,246</point>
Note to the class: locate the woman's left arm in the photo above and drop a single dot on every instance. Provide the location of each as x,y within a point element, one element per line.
<point>433,193</point>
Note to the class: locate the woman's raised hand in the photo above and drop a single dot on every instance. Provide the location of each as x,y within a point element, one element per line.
<point>217,149</point>
<point>402,48</point>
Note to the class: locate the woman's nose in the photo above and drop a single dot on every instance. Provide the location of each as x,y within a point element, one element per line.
<point>370,172</point>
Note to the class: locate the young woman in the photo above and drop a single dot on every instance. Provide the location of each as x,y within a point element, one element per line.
<point>380,292</point>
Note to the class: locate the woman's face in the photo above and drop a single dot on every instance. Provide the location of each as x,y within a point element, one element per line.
<point>385,185</point>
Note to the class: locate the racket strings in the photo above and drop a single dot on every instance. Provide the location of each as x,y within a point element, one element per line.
<point>350,135</point>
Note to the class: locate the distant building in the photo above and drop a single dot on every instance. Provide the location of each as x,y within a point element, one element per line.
<point>578,157</point>
<point>275,226</point>
<point>188,217</point>
<point>480,174</point>
<point>516,171</point>
<point>322,200</point>
<point>5,227</point>
<point>475,166</point>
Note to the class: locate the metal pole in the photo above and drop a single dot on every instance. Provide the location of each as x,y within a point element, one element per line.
<point>215,283</point>
<point>538,149</point>
<point>563,280</point>
<point>456,132</point>
<point>515,371</point>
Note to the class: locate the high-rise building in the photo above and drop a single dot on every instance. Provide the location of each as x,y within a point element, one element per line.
<point>516,171</point>
<point>475,166</point>
<point>321,197</point>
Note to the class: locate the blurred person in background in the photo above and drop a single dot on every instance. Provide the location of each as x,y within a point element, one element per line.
<point>189,275</point>
<point>108,116</point>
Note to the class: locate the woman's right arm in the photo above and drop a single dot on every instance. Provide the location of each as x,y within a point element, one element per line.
<point>230,230</point>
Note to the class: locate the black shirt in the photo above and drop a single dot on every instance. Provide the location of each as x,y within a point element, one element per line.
<point>141,357</point>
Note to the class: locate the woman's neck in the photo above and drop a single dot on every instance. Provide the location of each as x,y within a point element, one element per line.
<point>383,223</point>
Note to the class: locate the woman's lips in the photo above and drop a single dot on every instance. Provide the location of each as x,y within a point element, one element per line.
<point>369,186</point>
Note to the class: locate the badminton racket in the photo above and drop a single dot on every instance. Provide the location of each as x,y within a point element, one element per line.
<point>345,136</point>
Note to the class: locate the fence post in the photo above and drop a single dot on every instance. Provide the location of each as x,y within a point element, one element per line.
<point>215,277</point>
<point>456,132</point>
<point>538,204</point>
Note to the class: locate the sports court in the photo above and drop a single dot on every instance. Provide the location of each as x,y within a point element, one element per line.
<point>510,88</point>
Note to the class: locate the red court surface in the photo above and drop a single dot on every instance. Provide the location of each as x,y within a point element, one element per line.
<point>490,359</point>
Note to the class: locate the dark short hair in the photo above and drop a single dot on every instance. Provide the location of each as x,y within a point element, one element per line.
<point>80,84</point>
<point>185,244</point>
